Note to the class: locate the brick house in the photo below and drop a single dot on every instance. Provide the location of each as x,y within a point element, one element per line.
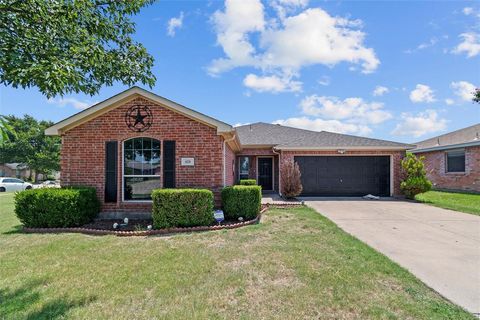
<point>452,160</point>
<point>136,141</point>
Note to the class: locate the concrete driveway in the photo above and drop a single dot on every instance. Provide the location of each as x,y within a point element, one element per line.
<point>441,247</point>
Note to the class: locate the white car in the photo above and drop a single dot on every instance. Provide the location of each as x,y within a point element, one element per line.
<point>13,184</point>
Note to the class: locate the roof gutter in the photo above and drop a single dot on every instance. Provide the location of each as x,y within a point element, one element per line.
<point>449,147</point>
<point>372,148</point>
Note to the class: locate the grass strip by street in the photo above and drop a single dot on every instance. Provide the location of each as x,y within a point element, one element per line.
<point>463,202</point>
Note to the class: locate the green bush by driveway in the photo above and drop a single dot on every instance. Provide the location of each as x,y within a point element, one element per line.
<point>295,264</point>
<point>464,202</point>
<point>55,208</point>
<point>241,201</point>
<point>182,208</point>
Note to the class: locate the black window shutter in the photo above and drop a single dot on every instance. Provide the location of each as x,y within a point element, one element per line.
<point>169,164</point>
<point>111,171</point>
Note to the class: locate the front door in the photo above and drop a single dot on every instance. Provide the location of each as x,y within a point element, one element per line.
<point>265,173</point>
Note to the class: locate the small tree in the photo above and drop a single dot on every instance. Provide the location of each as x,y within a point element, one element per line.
<point>291,182</point>
<point>476,95</point>
<point>416,181</point>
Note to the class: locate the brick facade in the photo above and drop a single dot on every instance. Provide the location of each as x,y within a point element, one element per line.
<point>83,152</point>
<point>396,158</point>
<point>435,165</point>
<point>230,163</point>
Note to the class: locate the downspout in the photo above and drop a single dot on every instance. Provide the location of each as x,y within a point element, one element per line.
<point>279,171</point>
<point>225,160</point>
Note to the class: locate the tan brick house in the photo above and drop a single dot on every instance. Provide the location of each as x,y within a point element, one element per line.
<point>136,141</point>
<point>452,160</point>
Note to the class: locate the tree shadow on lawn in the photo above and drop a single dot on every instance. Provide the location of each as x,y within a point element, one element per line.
<point>14,230</point>
<point>17,304</point>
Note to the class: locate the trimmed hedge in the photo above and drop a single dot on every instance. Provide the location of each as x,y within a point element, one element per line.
<point>241,201</point>
<point>182,208</point>
<point>247,182</point>
<point>57,208</point>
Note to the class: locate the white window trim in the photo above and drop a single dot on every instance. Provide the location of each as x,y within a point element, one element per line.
<point>139,175</point>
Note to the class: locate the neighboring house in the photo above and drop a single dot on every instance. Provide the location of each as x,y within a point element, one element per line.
<point>22,171</point>
<point>18,170</point>
<point>452,160</point>
<point>136,141</point>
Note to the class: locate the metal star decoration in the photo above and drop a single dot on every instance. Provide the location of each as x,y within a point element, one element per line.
<point>138,118</point>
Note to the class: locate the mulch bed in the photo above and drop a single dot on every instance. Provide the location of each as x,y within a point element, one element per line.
<point>139,227</point>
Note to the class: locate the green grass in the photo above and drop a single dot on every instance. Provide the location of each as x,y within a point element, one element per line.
<point>294,265</point>
<point>464,202</point>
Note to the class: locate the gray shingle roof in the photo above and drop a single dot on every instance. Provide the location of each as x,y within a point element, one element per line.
<point>466,135</point>
<point>259,134</point>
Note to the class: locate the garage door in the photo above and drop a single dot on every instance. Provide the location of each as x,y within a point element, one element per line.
<point>345,175</point>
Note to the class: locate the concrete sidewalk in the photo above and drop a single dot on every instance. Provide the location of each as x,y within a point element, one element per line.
<point>441,247</point>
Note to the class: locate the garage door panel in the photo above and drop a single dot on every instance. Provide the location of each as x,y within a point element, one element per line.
<point>345,175</point>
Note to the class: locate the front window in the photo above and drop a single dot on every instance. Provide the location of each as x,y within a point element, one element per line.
<point>456,161</point>
<point>244,164</point>
<point>141,168</point>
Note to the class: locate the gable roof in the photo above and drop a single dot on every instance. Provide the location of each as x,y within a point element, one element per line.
<point>469,136</point>
<point>288,138</point>
<point>125,96</point>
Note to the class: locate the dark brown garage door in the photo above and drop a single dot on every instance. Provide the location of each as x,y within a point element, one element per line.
<point>345,175</point>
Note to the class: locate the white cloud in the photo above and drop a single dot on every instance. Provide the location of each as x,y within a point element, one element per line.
<point>355,110</point>
<point>463,89</point>
<point>380,91</point>
<point>284,7</point>
<point>324,81</point>
<point>430,43</point>
<point>422,93</point>
<point>174,24</point>
<point>286,43</point>
<point>325,125</point>
<point>449,101</point>
<point>239,124</point>
<point>420,124</point>
<point>77,104</point>
<point>232,27</point>
<point>470,44</point>
<point>272,83</point>
<point>467,11</point>
<point>315,37</point>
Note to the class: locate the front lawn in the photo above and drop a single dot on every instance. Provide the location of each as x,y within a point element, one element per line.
<point>294,265</point>
<point>464,202</point>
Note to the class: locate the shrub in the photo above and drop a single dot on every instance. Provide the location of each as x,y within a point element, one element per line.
<point>182,208</point>
<point>248,182</point>
<point>56,208</point>
<point>416,181</point>
<point>291,179</point>
<point>241,201</point>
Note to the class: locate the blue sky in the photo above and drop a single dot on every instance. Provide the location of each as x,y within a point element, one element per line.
<point>393,70</point>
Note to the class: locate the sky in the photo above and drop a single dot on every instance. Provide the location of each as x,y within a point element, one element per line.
<point>401,71</point>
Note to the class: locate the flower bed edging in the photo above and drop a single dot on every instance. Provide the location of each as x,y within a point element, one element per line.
<point>167,231</point>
